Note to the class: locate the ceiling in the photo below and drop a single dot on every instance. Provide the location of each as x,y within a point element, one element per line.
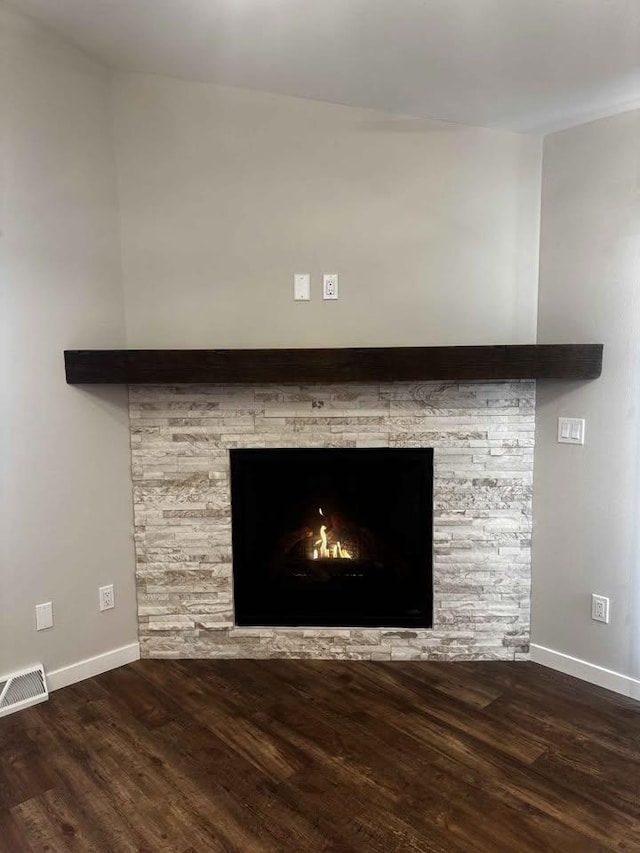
<point>524,65</point>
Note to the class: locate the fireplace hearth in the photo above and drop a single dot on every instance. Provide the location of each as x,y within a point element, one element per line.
<point>336,537</point>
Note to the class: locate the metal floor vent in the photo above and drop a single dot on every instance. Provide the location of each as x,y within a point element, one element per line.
<point>22,689</point>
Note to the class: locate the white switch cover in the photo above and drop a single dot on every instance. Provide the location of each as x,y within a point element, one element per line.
<point>330,285</point>
<point>571,430</point>
<point>44,616</point>
<point>302,287</point>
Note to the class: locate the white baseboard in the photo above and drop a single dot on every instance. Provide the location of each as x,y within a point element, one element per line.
<point>591,672</point>
<point>66,675</point>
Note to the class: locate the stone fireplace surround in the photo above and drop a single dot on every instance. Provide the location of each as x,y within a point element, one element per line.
<point>483,438</point>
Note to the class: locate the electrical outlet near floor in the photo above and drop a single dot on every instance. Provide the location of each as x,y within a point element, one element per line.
<point>600,608</point>
<point>107,600</point>
<point>330,285</point>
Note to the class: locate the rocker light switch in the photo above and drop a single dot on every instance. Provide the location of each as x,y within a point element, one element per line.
<point>571,430</point>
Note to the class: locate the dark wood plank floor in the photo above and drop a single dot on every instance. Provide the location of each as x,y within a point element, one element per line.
<point>305,756</point>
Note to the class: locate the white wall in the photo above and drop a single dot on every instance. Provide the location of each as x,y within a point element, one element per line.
<point>65,512</point>
<point>225,193</point>
<point>586,507</point>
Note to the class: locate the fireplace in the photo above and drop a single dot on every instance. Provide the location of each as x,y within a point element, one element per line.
<point>182,442</point>
<point>332,537</point>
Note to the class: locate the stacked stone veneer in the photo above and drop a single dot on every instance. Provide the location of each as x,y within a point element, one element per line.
<point>483,436</point>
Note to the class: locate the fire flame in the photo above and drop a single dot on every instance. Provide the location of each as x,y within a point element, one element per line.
<point>327,551</point>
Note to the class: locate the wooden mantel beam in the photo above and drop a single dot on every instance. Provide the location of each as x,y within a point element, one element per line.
<point>386,364</point>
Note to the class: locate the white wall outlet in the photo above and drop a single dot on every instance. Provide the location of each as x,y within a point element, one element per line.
<point>107,600</point>
<point>302,287</point>
<point>571,430</point>
<point>330,285</point>
<point>44,616</point>
<point>600,608</point>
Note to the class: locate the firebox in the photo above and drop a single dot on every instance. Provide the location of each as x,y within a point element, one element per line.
<point>332,537</point>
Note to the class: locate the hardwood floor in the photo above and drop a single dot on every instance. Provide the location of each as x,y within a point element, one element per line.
<point>306,756</point>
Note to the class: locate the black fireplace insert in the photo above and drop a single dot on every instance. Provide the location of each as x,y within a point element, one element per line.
<point>332,537</point>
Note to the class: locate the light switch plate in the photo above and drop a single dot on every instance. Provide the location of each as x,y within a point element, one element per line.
<point>302,287</point>
<point>571,430</point>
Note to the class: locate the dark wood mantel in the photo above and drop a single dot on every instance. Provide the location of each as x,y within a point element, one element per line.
<point>388,364</point>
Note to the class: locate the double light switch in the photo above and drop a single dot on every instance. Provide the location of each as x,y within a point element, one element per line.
<point>571,430</point>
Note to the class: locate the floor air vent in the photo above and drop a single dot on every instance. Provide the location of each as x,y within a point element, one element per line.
<point>22,689</point>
